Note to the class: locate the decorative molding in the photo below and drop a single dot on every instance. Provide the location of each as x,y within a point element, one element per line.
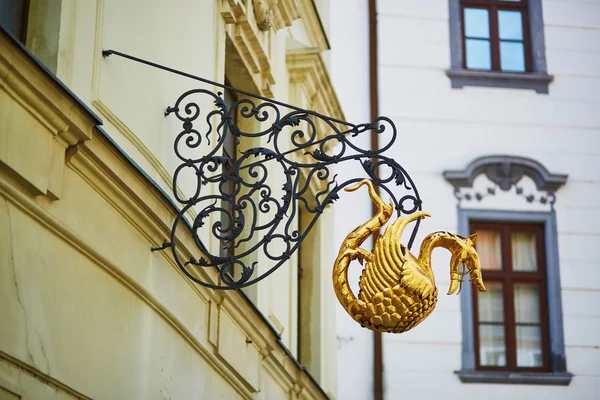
<point>110,116</point>
<point>263,14</point>
<point>307,69</point>
<point>277,14</point>
<point>250,42</point>
<point>44,379</point>
<point>248,25</point>
<point>285,12</point>
<point>137,143</point>
<point>27,82</point>
<point>45,120</point>
<point>97,56</point>
<point>506,172</point>
<point>313,25</point>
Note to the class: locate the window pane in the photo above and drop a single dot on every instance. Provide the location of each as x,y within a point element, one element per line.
<point>478,54</point>
<point>527,303</point>
<point>477,23</point>
<point>510,25</point>
<point>492,351</point>
<point>488,248</point>
<point>512,56</point>
<point>524,256</point>
<point>490,304</point>
<point>529,346</point>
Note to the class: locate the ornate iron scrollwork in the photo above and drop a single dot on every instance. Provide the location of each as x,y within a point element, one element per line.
<point>236,187</point>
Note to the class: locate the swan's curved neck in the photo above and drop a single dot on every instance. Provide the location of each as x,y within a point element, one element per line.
<point>433,240</point>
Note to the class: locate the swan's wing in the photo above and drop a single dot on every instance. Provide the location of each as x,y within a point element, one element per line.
<point>384,270</point>
<point>392,265</point>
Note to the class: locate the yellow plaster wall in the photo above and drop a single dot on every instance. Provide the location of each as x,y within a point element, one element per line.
<point>66,316</point>
<point>89,310</point>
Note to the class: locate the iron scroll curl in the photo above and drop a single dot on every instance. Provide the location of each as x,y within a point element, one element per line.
<point>248,212</point>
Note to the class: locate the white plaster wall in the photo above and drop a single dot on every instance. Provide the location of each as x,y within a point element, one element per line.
<point>443,128</point>
<point>349,38</point>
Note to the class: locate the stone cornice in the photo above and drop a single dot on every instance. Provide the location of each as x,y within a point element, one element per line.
<point>276,14</point>
<point>250,43</point>
<point>285,12</point>
<point>306,67</point>
<point>313,24</point>
<point>26,80</point>
<point>250,25</point>
<point>43,120</point>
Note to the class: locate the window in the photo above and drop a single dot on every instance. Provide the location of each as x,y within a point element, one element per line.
<point>498,43</point>
<point>513,333</point>
<point>495,35</point>
<point>510,318</point>
<point>508,336</point>
<point>13,17</point>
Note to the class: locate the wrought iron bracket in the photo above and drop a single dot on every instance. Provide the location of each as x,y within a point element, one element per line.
<point>166,244</point>
<point>251,199</point>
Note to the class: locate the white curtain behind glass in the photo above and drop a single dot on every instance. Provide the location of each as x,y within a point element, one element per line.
<point>488,248</point>
<point>523,251</point>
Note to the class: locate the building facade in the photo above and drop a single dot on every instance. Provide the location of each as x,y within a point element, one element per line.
<point>496,104</point>
<point>86,164</point>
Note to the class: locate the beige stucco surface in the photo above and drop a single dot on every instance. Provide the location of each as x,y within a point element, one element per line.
<point>86,309</point>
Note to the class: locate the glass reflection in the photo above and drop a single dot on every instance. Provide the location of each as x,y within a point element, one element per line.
<point>529,346</point>
<point>490,305</point>
<point>492,349</point>
<point>488,248</point>
<point>478,54</point>
<point>477,23</point>
<point>527,303</point>
<point>510,25</point>
<point>524,256</point>
<point>512,56</point>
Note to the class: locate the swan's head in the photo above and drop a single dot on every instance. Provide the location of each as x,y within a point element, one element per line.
<point>465,260</point>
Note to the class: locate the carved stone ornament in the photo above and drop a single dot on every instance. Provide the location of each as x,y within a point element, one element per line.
<point>263,15</point>
<point>505,172</point>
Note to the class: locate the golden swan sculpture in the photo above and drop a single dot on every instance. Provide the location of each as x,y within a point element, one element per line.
<point>397,289</point>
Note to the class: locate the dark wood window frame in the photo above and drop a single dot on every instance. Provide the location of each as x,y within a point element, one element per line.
<point>508,278</point>
<point>21,16</point>
<point>493,6</point>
